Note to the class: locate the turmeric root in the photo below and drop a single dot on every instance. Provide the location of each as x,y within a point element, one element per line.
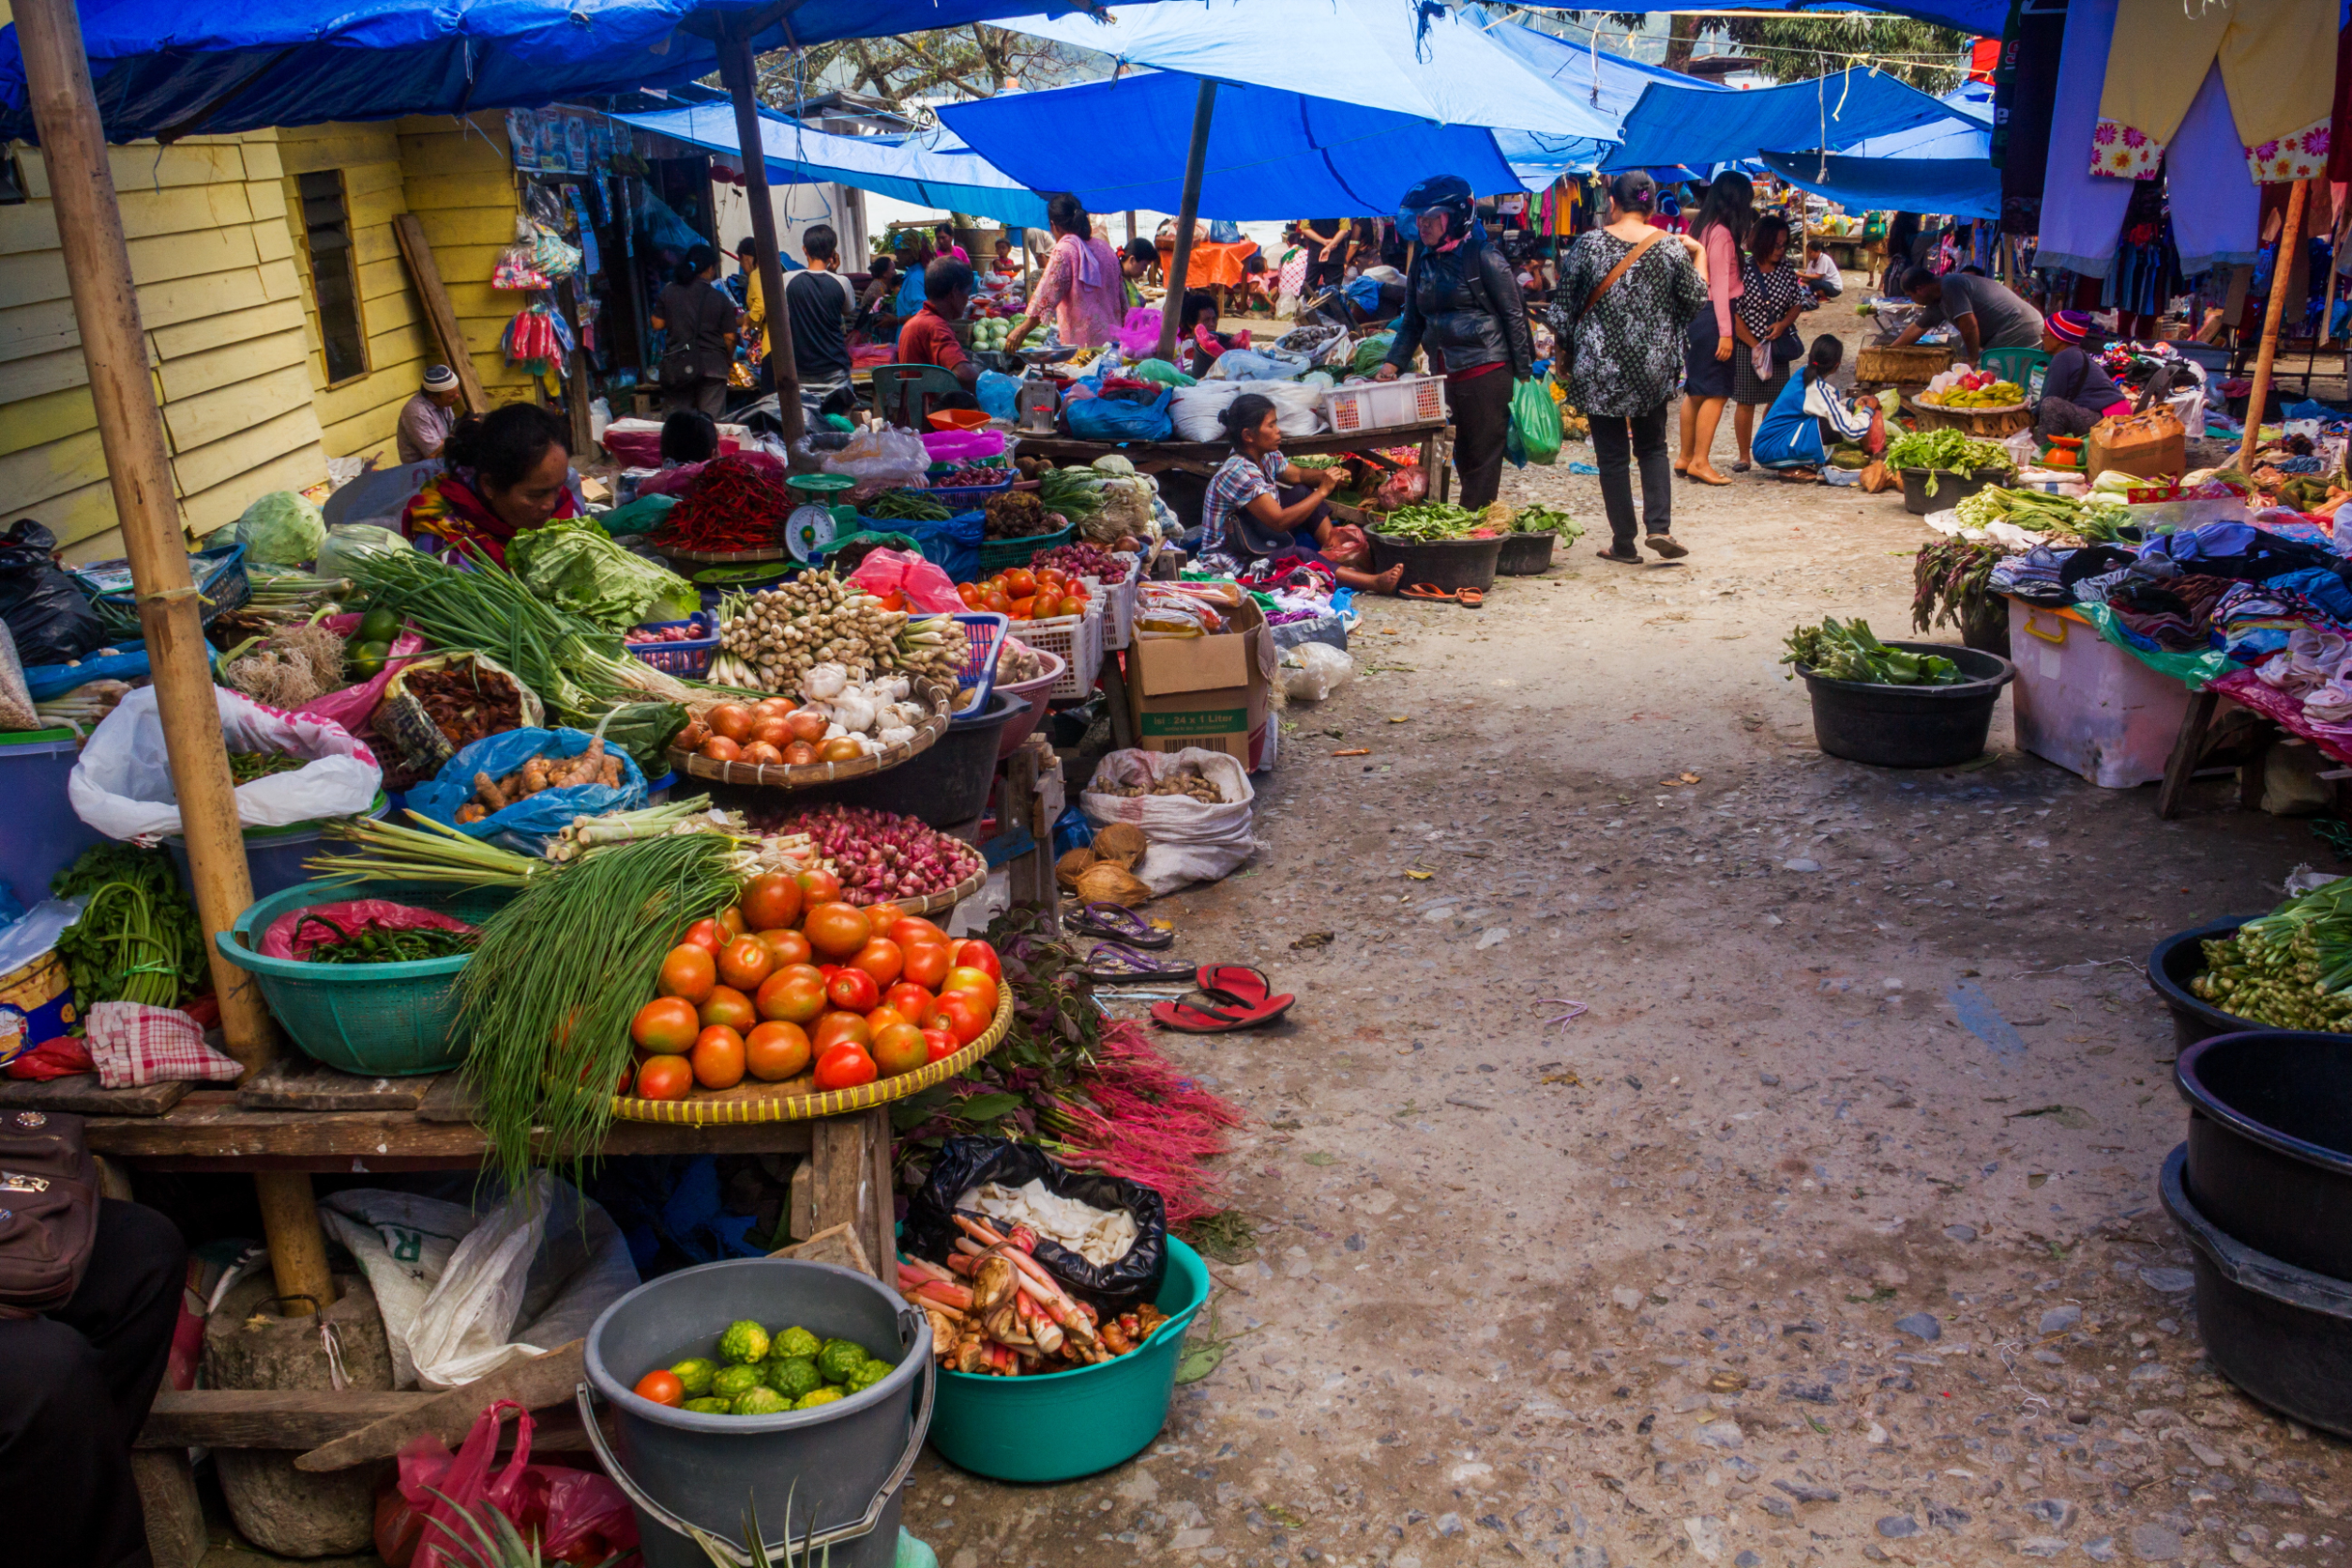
<point>535,776</point>
<point>492,795</point>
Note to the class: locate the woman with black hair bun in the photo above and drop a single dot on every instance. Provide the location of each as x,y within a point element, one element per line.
<point>508,470</point>
<point>1259,507</point>
<point>700,322</point>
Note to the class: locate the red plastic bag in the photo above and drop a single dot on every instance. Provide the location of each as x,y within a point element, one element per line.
<point>352,916</point>
<point>463,1482</point>
<point>926,586</point>
<point>52,1059</point>
<point>579,1516</point>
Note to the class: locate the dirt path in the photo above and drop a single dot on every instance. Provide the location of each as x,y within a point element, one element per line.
<point>1764,1259</point>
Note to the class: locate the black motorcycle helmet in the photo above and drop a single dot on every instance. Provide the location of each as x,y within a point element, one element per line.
<point>1446,193</point>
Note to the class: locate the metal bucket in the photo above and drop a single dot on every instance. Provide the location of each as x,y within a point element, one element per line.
<point>838,1467</point>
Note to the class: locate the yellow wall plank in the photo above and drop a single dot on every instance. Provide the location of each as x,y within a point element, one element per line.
<point>245,449</point>
<point>337,146</point>
<point>208,416</point>
<point>207,510</point>
<point>386,389</point>
<point>83,522</point>
<point>364,182</point>
<point>268,199</point>
<point>52,468</point>
<point>369,435</point>
<point>169,256</point>
<point>229,327</point>
<point>281,279</point>
<point>480,190</point>
<point>272,242</point>
<point>145,166</point>
<point>34,421</point>
<point>41,328</point>
<point>262,159</point>
<point>452,154</point>
<point>454,226</point>
<point>213,368</point>
<point>40,374</point>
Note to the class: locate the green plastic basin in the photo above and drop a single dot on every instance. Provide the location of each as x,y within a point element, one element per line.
<point>378,1020</point>
<point>1065,1424</point>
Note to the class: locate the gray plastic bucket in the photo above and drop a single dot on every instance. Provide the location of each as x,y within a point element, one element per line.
<point>839,1466</point>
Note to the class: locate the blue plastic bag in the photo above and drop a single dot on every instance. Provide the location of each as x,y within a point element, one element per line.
<point>997,392</point>
<point>1117,419</point>
<point>527,825</point>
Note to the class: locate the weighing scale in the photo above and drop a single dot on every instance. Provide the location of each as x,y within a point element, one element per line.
<point>811,527</point>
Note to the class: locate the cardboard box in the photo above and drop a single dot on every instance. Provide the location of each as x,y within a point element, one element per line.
<point>2145,444</point>
<point>1206,691</point>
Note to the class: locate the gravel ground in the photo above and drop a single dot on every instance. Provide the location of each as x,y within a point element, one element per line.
<point>1763,1258</point>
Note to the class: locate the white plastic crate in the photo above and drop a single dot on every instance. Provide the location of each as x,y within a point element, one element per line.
<point>2086,704</point>
<point>1377,405</point>
<point>1079,641</point>
<point>1118,600</point>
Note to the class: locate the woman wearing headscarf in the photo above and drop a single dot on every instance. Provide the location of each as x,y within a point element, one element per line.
<point>700,322</point>
<point>2076,391</point>
<point>1081,283</point>
<point>508,470</point>
<point>1725,214</point>
<point>1462,304</point>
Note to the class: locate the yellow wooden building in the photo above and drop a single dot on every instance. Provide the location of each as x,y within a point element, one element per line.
<point>283,325</point>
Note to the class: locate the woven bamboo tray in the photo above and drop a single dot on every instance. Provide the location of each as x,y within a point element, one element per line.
<point>933,903</point>
<point>725,557</point>
<point>1986,424</point>
<point>792,1099</point>
<point>808,775</point>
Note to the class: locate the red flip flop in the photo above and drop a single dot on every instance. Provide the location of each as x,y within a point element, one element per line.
<point>1187,1018</point>
<point>1424,591</point>
<point>1238,984</point>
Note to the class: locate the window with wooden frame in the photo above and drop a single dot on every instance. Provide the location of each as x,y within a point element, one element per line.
<point>333,275</point>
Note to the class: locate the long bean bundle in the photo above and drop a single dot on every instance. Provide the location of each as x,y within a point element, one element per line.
<point>560,972</point>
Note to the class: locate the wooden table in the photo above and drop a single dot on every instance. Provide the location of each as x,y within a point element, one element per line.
<point>1202,458</point>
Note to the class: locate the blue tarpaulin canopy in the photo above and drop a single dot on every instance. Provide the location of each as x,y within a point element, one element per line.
<point>166,67</point>
<point>1961,187</point>
<point>915,169</point>
<point>1980,18</point>
<point>1273,154</point>
<point>1700,127</point>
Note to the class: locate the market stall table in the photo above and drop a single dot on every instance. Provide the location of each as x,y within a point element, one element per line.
<point>1202,458</point>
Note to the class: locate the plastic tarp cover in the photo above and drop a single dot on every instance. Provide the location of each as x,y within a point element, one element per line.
<point>1980,18</point>
<point>1273,153</point>
<point>1963,187</point>
<point>1701,127</point>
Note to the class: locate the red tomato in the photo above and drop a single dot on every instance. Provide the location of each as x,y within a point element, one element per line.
<point>836,929</point>
<point>907,929</point>
<point>882,958</point>
<point>745,961</point>
<point>844,1067</point>
<point>883,1017</point>
<point>730,1007</point>
<point>717,1058</point>
<point>960,1015</point>
<point>853,990</point>
<point>688,972</point>
<point>664,1026</point>
<point>775,1052</point>
<point>817,886</point>
<point>911,999</point>
<point>662,1387</point>
<point>941,1043</point>
<point>976,983</point>
<point>928,963</point>
<point>771,902</point>
<point>900,1049</point>
<point>979,954</point>
<point>665,1078</point>
<point>840,1029</point>
<point>789,947</point>
<point>704,934</point>
<point>731,924</point>
<point>883,917</point>
<point>794,995</point>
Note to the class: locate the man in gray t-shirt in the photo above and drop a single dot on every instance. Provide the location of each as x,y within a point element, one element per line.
<point>1985,313</point>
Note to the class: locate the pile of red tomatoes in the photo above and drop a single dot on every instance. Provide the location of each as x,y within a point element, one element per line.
<point>791,977</point>
<point>1025,595</point>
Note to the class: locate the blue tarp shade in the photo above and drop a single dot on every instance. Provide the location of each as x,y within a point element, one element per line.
<point>1121,145</point>
<point>166,66</point>
<point>905,168</point>
<point>1961,187</point>
<point>1695,126</point>
<point>1611,84</point>
<point>1981,18</point>
<point>1420,60</point>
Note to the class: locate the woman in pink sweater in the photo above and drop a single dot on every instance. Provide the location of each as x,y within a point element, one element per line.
<point>1725,214</point>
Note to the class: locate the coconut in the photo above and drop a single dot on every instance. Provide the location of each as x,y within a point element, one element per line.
<point>1123,843</point>
<point>1067,869</point>
<point>1105,883</point>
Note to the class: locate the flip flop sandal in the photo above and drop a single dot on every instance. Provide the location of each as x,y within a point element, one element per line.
<point>1238,984</point>
<point>1633,560</point>
<point>1471,598</point>
<point>1667,546</point>
<point>1187,1018</point>
<point>1121,924</point>
<point>1422,591</point>
<point>1115,963</point>
<point>1741,467</point>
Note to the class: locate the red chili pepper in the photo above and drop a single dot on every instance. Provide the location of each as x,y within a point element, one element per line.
<point>733,504</point>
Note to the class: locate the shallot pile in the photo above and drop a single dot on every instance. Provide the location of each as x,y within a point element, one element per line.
<point>1085,560</point>
<point>880,856</point>
<point>995,1310</point>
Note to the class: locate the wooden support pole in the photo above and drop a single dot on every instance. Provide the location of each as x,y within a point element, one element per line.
<point>2272,310</point>
<point>1188,213</point>
<point>740,72</point>
<point>297,1244</point>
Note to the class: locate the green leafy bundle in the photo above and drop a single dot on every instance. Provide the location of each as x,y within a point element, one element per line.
<point>1428,521</point>
<point>1945,451</point>
<point>137,938</point>
<point>1849,651</point>
<point>1952,582</point>
<point>1076,493</point>
<point>905,505</point>
<point>2288,970</point>
<point>1546,519</point>
<point>578,565</point>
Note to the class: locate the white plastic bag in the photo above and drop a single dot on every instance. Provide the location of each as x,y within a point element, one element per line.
<point>122,784</point>
<point>881,456</point>
<point>1313,670</point>
<point>463,1294</point>
<point>1190,840</point>
<point>1199,411</point>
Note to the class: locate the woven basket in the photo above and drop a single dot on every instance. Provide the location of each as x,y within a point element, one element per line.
<point>933,903</point>
<point>809,775</point>
<point>724,557</point>
<point>791,1101</point>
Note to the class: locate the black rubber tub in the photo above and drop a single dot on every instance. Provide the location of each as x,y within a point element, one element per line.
<point>1985,627</point>
<point>2270,1142</point>
<point>1910,727</point>
<point>1525,555</point>
<point>1950,487</point>
<point>1447,564</point>
<point>2180,959</point>
<point>2283,1335</point>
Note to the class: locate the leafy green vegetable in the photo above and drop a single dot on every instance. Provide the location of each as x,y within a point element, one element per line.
<point>2092,517</point>
<point>137,938</point>
<point>1545,520</point>
<point>575,564</point>
<point>1850,653</point>
<point>903,505</point>
<point>1076,493</point>
<point>1428,520</point>
<point>1945,451</point>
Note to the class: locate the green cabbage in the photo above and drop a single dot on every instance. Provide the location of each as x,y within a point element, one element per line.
<point>280,528</point>
<point>575,564</point>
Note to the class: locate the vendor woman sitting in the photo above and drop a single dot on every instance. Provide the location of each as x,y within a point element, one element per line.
<point>508,470</point>
<point>2076,392</point>
<point>1259,507</point>
<point>1810,415</point>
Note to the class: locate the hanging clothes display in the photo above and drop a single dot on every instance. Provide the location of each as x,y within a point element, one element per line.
<point>2212,196</point>
<point>2081,212</point>
<point>2024,93</point>
<point>2277,59</point>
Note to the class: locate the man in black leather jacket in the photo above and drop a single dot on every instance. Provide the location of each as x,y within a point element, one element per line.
<point>1463,306</point>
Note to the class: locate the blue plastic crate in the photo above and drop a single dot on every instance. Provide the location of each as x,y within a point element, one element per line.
<point>689,661</point>
<point>960,497</point>
<point>984,633</point>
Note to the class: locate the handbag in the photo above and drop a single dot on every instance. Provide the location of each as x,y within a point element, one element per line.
<point>49,1201</point>
<point>1564,342</point>
<point>1787,348</point>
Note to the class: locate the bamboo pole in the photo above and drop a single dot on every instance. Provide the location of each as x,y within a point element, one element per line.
<point>139,469</point>
<point>741,75</point>
<point>2272,310</point>
<point>1188,213</point>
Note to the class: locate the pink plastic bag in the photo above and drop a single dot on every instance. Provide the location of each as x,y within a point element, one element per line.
<point>926,586</point>
<point>352,706</point>
<point>354,916</point>
<point>580,1516</point>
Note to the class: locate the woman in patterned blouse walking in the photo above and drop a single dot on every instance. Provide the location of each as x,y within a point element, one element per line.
<point>1623,338</point>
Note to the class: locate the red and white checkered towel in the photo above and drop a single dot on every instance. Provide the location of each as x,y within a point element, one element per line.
<point>134,1043</point>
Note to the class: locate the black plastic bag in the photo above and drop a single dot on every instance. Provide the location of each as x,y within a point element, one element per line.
<point>46,612</point>
<point>965,1163</point>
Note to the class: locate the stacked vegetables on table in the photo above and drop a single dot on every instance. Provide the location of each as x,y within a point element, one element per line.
<point>905,505</point>
<point>840,720</point>
<point>1078,559</point>
<point>2099,516</point>
<point>1027,594</point>
<point>1016,515</point>
<point>1428,521</point>
<point>578,567</point>
<point>2288,970</point>
<point>1849,651</point>
<point>759,1373</point>
<point>771,640</point>
<point>1946,452</point>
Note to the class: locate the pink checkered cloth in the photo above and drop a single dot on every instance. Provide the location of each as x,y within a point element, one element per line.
<point>134,1043</point>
